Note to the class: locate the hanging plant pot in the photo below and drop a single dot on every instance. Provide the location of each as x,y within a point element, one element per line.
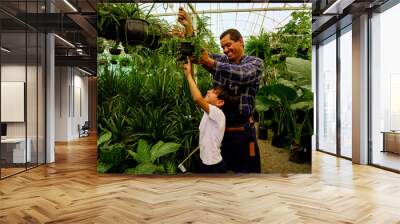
<point>115,51</point>
<point>302,51</point>
<point>186,50</point>
<point>152,42</point>
<point>134,31</point>
<point>262,133</point>
<point>110,33</point>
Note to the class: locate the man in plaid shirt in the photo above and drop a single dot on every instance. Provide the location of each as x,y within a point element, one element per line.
<point>240,75</point>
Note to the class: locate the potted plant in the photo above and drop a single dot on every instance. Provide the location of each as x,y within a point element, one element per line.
<point>298,151</point>
<point>186,50</point>
<point>263,129</point>
<point>258,46</point>
<point>135,30</point>
<point>125,22</point>
<point>115,50</point>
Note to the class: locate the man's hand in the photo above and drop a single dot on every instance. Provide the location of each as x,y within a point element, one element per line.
<point>177,33</point>
<point>186,21</point>
<point>187,68</point>
<point>206,60</point>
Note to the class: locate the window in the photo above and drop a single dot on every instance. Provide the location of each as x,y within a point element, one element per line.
<point>385,89</point>
<point>327,95</point>
<point>346,92</point>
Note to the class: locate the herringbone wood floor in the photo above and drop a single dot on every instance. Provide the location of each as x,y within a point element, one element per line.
<point>70,191</point>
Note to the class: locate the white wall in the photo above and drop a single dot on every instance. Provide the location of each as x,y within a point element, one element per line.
<point>34,125</point>
<point>71,94</point>
<point>62,81</point>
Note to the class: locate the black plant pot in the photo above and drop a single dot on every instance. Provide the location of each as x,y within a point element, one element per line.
<point>153,42</point>
<point>186,50</point>
<point>302,51</point>
<point>115,51</point>
<point>298,153</point>
<point>276,50</point>
<point>278,141</point>
<point>134,31</point>
<point>110,33</point>
<point>262,133</point>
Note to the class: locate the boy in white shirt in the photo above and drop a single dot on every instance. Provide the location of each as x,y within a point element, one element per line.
<point>212,125</point>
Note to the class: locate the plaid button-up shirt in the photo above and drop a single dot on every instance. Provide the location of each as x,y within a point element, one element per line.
<point>239,79</point>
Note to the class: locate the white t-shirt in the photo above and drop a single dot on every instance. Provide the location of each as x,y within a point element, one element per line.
<point>212,128</point>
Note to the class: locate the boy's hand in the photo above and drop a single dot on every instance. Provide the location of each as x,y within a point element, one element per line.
<point>183,18</point>
<point>186,21</point>
<point>187,68</point>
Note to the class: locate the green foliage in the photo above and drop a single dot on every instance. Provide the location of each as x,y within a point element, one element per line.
<point>291,102</point>
<point>300,70</point>
<point>296,35</point>
<point>110,14</point>
<point>144,100</point>
<point>259,46</point>
<point>110,155</point>
<point>147,157</point>
<point>149,99</point>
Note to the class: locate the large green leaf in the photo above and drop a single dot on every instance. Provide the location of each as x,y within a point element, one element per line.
<point>166,148</point>
<point>143,152</point>
<point>303,105</point>
<point>105,137</point>
<point>262,103</point>
<point>103,167</point>
<point>299,69</point>
<point>143,168</point>
<point>284,92</point>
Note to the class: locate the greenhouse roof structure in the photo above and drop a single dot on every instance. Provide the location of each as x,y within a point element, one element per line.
<point>249,18</point>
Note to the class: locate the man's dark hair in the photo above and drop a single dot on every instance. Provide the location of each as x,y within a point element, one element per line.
<point>234,34</point>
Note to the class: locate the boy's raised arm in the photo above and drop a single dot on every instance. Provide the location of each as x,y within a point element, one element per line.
<point>194,90</point>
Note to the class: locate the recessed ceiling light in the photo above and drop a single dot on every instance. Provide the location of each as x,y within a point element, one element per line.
<point>86,72</point>
<point>70,5</point>
<point>5,49</point>
<point>64,40</point>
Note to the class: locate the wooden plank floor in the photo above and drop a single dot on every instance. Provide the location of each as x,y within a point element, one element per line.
<point>70,191</point>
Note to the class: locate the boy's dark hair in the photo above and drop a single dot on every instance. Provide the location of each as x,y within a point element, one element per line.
<point>234,34</point>
<point>230,102</point>
<point>222,93</point>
